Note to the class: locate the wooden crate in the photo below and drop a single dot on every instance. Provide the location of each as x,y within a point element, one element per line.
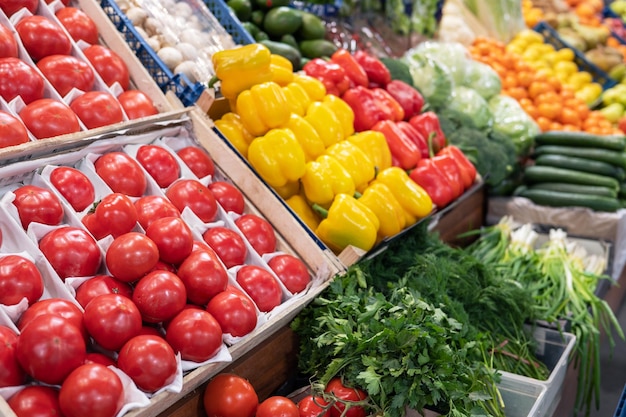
<point>290,239</point>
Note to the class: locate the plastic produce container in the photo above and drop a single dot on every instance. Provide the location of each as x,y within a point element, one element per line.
<point>620,411</point>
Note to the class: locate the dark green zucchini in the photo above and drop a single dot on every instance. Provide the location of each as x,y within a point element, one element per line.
<point>537,173</point>
<point>582,139</point>
<point>605,155</point>
<point>575,188</point>
<point>581,164</point>
<point>561,199</point>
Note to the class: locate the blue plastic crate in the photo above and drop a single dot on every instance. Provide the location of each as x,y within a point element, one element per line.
<point>229,21</point>
<point>185,90</point>
<point>620,411</point>
<point>552,37</point>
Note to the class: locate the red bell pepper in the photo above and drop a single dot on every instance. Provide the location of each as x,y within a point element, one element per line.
<point>468,170</point>
<point>356,74</point>
<point>451,170</point>
<point>428,125</point>
<point>404,152</point>
<point>377,72</point>
<point>368,109</point>
<point>416,137</point>
<point>331,74</point>
<point>387,100</point>
<point>409,98</point>
<point>428,175</point>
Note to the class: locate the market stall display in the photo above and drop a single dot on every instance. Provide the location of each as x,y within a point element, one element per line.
<point>302,152</point>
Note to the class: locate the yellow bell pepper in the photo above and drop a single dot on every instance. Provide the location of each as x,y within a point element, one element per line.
<point>263,107</point>
<point>343,111</point>
<point>324,178</point>
<point>414,199</point>
<point>379,198</point>
<point>231,127</point>
<point>314,87</point>
<point>297,98</point>
<point>277,157</point>
<point>288,190</point>
<point>307,136</point>
<point>347,223</point>
<point>355,161</point>
<point>240,68</point>
<point>375,145</point>
<point>325,122</point>
<point>282,70</point>
<point>304,211</point>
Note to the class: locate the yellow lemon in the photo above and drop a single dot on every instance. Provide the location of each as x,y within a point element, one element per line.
<point>579,79</point>
<point>565,54</point>
<point>567,67</point>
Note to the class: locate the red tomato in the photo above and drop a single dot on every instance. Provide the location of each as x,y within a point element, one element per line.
<point>112,319</point>
<point>9,7</point>
<point>137,104</point>
<point>204,276</point>
<point>130,256</point>
<point>36,401</point>
<point>229,196</point>
<point>193,194</point>
<point>195,334</point>
<point>162,266</point>
<point>228,244</point>
<point>11,374</point>
<point>66,72</point>
<point>198,161</point>
<point>150,330</point>
<point>160,295</point>
<point>99,285</point>
<point>17,78</point>
<point>200,245</point>
<point>229,395</point>
<point>346,394</point>
<point>149,361</point>
<point>159,163</point>
<point>109,65</point>
<point>91,390</point>
<point>78,24</point>
<point>74,185</point>
<point>8,44</point>
<point>55,306</point>
<point>261,286</point>
<point>152,207</point>
<point>234,311</point>
<point>114,215</point>
<point>49,348</point>
<point>12,130</point>
<point>19,278</point>
<point>311,406</point>
<point>277,406</point>
<point>97,109</point>
<point>71,251</point>
<point>102,359</point>
<point>64,2</point>
<point>121,173</point>
<point>37,204</point>
<point>291,271</point>
<point>259,233</point>
<point>42,37</point>
<point>173,238</point>
<point>47,117</point>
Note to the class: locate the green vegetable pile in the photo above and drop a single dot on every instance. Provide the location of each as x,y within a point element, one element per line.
<point>420,325</point>
<point>295,34</point>
<point>562,281</point>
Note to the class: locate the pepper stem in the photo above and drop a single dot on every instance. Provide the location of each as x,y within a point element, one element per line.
<point>213,80</point>
<point>320,210</point>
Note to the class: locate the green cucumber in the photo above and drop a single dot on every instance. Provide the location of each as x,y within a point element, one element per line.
<point>562,199</point>
<point>605,155</point>
<point>282,20</point>
<point>537,173</point>
<point>582,139</point>
<point>581,164</point>
<point>284,50</point>
<point>575,188</point>
<point>312,27</point>
<point>317,48</point>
